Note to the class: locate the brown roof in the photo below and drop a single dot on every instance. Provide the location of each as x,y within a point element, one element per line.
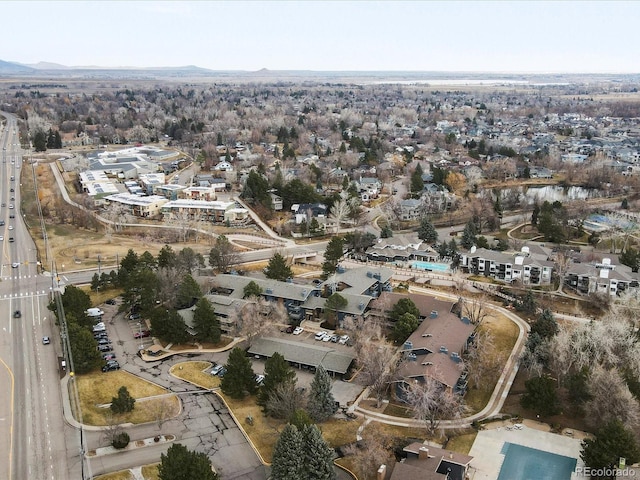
<point>426,470</point>
<point>452,457</point>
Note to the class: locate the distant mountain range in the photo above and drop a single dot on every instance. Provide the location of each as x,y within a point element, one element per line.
<point>55,70</point>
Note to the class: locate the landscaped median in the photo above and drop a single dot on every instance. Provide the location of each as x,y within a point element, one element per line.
<point>96,390</point>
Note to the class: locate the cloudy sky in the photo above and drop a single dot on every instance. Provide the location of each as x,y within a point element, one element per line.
<point>502,36</point>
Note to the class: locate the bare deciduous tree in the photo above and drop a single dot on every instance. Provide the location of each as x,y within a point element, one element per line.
<point>285,399</point>
<point>610,399</point>
<point>475,309</point>
<point>432,402</point>
<point>484,360</point>
<point>379,362</point>
<point>375,449</point>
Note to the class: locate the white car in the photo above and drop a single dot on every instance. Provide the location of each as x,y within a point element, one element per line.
<point>343,339</point>
<point>15,265</point>
<point>298,330</point>
<point>320,335</point>
<point>327,337</point>
<point>1,238</point>
<point>10,227</point>
<point>11,205</point>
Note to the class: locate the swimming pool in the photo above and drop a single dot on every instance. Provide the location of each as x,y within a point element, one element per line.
<point>524,463</point>
<point>436,267</point>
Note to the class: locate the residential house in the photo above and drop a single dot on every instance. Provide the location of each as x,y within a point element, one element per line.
<point>410,209</point>
<point>427,462</point>
<point>304,212</point>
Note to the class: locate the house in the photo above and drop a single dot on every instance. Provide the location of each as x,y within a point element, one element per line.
<point>529,266</point>
<point>369,185</point>
<point>223,166</point>
<point>410,209</point>
<point>276,201</point>
<point>304,212</point>
<point>427,462</point>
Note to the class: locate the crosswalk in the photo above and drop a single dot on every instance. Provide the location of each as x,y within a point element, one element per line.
<point>18,277</point>
<point>35,293</point>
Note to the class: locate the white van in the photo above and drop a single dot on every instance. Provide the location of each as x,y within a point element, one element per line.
<point>320,335</point>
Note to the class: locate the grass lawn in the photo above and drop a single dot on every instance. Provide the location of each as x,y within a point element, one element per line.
<point>462,443</point>
<point>99,388</point>
<point>101,296</point>
<point>149,472</point>
<point>121,475</point>
<point>505,334</point>
<point>194,372</point>
<point>398,410</point>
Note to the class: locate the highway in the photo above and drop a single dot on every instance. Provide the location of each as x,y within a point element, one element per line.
<point>32,431</point>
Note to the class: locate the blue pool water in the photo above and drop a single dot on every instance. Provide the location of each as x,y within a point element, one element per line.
<point>524,463</point>
<point>436,267</point>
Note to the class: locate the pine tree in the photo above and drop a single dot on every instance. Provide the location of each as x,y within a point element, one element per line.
<point>179,463</point>
<point>332,255</point>
<point>124,402</point>
<point>288,455</point>
<point>240,377</point>
<point>276,372</point>
<point>205,322</point>
<point>277,269</point>
<point>318,456</point>
<point>427,231</point>
<point>321,404</point>
<point>468,236</point>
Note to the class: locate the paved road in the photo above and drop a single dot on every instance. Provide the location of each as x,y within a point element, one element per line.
<point>32,433</point>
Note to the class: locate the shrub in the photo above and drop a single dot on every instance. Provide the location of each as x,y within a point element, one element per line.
<point>120,441</point>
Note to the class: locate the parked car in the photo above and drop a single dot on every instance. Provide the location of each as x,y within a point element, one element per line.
<point>298,330</point>
<point>134,316</point>
<point>109,356</point>
<point>343,339</point>
<point>217,369</point>
<point>320,335</point>
<point>46,340</point>
<point>105,348</point>
<point>142,334</point>
<point>111,301</point>
<point>259,379</point>
<point>335,338</point>
<point>109,367</point>
<point>327,337</point>
<point>104,341</point>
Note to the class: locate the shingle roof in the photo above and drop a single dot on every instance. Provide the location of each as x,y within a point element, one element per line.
<point>330,358</point>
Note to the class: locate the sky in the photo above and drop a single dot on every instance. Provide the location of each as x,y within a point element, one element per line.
<point>472,36</point>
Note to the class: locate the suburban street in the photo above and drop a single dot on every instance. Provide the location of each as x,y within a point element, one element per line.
<point>32,433</point>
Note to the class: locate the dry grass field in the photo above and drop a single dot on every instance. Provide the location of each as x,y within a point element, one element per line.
<point>97,389</point>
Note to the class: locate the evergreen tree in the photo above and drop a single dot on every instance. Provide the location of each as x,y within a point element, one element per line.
<point>251,289</point>
<point>332,255</point>
<point>288,455</point>
<point>612,442</point>
<point>277,269</point>
<point>86,356</point>
<point>535,214</point>
<point>169,326</point>
<point>40,141</point>
<point>416,185</point>
<point>404,327</point>
<point>318,455</point>
<point>276,371</point>
<point>124,402</point>
<point>300,418</point>
<point>188,292</point>
<point>402,306</point>
<point>179,463</point>
<point>240,377</point>
<point>206,322</point>
<point>468,236</point>
<point>427,231</point>
<point>546,325</point>
<point>541,396</point>
<point>386,232</point>
<point>321,404</point>
<point>95,282</point>
<point>166,257</point>
<point>332,306</point>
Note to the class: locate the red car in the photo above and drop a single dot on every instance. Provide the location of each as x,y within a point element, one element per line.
<point>142,334</point>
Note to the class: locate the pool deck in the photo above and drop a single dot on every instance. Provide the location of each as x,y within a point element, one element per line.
<point>487,459</point>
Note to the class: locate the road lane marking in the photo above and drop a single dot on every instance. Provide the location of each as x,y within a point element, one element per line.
<point>10,462</point>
